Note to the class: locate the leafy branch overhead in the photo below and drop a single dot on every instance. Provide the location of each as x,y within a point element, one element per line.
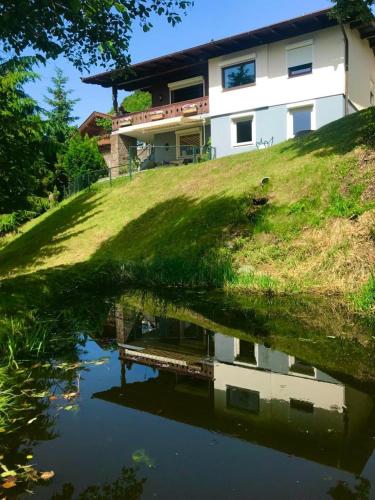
<point>353,10</point>
<point>87,32</point>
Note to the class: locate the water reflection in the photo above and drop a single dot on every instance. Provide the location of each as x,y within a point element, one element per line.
<point>240,388</point>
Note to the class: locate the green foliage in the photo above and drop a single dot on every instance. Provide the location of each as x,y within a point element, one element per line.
<point>105,123</point>
<point>352,10</point>
<point>87,33</point>
<point>21,131</point>
<point>138,101</point>
<point>60,109</point>
<point>82,156</point>
<point>11,222</point>
<point>364,300</point>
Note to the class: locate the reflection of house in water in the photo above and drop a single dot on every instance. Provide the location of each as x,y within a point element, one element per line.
<point>243,389</point>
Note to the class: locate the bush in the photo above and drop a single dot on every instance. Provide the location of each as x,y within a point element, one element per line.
<point>10,222</point>
<point>82,156</point>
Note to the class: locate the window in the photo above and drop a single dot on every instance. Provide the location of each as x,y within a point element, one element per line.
<point>301,120</point>
<point>188,143</point>
<point>242,133</point>
<point>299,60</point>
<point>187,93</point>
<point>239,74</point>
<point>247,352</point>
<point>243,399</point>
<point>305,406</point>
<point>302,368</point>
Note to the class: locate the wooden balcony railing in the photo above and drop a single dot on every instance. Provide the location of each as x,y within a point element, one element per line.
<point>186,108</point>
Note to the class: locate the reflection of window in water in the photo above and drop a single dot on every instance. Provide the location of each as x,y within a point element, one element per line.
<point>300,405</point>
<point>243,399</point>
<point>302,368</point>
<point>247,353</point>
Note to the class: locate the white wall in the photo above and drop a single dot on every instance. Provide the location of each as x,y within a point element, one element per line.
<point>361,69</point>
<point>280,387</point>
<point>273,86</point>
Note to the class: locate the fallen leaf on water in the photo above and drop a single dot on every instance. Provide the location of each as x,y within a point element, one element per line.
<point>70,395</point>
<point>29,457</point>
<point>141,457</point>
<point>9,484</point>
<point>8,473</point>
<point>31,420</point>
<point>46,476</point>
<point>53,398</point>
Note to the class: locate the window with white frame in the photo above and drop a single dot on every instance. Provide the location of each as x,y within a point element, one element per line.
<point>300,59</point>
<point>188,142</point>
<point>242,131</point>
<point>301,120</point>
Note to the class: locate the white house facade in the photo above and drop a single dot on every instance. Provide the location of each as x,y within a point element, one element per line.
<point>246,91</point>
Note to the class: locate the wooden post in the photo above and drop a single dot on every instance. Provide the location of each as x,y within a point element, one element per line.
<point>114,99</point>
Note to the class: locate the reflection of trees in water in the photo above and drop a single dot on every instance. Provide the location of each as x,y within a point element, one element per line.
<point>342,490</point>
<point>127,486</point>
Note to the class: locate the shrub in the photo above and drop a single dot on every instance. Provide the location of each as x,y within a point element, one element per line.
<point>82,156</point>
<point>10,222</point>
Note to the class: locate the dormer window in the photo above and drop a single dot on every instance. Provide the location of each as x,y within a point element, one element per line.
<point>299,59</point>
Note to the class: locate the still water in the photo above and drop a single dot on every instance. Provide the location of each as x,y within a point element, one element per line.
<point>196,398</point>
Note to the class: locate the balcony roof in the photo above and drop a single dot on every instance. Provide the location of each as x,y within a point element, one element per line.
<point>145,74</point>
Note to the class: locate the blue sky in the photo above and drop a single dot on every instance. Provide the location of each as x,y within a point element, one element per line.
<point>207,20</point>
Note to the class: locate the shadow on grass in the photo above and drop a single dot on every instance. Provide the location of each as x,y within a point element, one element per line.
<point>47,237</point>
<point>179,242</point>
<point>339,137</point>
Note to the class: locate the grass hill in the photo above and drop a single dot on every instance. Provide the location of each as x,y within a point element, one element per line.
<point>311,228</point>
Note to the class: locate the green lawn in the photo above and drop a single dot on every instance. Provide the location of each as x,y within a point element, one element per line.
<point>200,224</point>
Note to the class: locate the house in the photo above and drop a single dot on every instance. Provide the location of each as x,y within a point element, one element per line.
<point>239,388</point>
<point>252,89</point>
<point>91,128</point>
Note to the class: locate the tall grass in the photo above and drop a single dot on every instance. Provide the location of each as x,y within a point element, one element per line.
<point>7,399</point>
<point>28,338</point>
<point>365,299</point>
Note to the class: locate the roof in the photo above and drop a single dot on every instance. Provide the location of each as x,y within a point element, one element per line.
<point>145,74</point>
<point>91,120</point>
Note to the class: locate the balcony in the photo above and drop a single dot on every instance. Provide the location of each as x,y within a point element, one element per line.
<point>179,109</point>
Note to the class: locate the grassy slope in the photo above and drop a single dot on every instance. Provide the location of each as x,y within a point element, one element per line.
<point>302,239</point>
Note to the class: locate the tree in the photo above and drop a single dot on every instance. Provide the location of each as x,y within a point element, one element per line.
<point>21,131</point>
<point>82,156</point>
<point>60,113</point>
<point>352,10</point>
<point>58,129</point>
<point>87,32</point>
<point>138,101</point>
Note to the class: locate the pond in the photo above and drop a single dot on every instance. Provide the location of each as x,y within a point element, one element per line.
<point>195,396</point>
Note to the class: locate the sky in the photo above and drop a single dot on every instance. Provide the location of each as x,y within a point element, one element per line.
<point>207,20</point>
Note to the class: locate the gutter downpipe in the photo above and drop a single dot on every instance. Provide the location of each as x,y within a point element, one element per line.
<point>346,43</point>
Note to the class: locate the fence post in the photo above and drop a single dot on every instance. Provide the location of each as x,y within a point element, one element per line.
<point>130,162</point>
<point>194,154</point>
<point>110,176</point>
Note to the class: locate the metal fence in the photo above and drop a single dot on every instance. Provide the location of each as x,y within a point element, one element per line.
<point>140,158</point>
<point>150,156</point>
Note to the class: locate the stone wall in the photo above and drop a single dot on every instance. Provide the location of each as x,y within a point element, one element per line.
<point>120,145</point>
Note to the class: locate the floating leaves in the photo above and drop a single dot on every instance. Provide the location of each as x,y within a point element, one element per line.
<point>46,476</point>
<point>22,474</point>
<point>141,457</point>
